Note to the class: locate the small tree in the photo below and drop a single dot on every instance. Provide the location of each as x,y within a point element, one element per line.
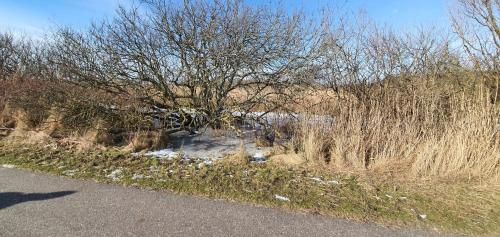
<point>207,55</point>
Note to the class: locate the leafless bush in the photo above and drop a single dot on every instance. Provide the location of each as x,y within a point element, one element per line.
<point>8,57</point>
<point>23,57</point>
<point>475,22</point>
<point>211,56</point>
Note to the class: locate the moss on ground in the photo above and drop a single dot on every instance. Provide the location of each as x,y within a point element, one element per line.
<point>457,207</point>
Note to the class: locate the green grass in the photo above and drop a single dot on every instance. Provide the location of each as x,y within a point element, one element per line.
<point>466,208</point>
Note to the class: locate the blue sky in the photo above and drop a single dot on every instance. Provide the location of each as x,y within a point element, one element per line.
<point>36,17</point>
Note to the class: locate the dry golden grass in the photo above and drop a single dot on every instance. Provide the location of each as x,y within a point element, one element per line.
<point>288,159</point>
<point>241,157</point>
<point>423,136</point>
<point>144,140</point>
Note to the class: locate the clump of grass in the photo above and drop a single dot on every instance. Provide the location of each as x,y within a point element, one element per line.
<point>143,140</point>
<point>241,157</point>
<point>314,143</point>
<point>430,134</point>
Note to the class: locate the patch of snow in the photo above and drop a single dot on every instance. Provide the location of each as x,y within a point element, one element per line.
<point>70,172</point>
<point>281,198</point>
<point>317,179</point>
<point>259,157</point>
<point>137,176</point>
<point>170,154</point>
<point>195,156</point>
<point>8,166</point>
<point>115,175</point>
<point>164,154</point>
<point>140,176</point>
<point>208,161</point>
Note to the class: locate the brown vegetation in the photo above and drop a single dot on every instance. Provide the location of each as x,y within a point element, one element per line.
<point>408,102</point>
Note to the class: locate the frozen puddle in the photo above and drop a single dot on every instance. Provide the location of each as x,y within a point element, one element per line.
<point>208,147</point>
<point>211,145</point>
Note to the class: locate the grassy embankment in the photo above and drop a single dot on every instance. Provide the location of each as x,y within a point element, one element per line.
<point>471,207</point>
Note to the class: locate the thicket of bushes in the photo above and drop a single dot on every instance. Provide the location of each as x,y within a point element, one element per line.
<point>409,101</point>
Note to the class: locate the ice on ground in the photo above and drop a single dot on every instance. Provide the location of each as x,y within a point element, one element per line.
<point>259,157</point>
<point>115,175</point>
<point>281,198</point>
<point>276,118</point>
<point>7,166</point>
<point>209,146</point>
<point>212,146</point>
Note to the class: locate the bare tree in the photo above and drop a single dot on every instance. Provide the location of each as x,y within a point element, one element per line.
<point>207,55</point>
<point>8,55</point>
<point>358,55</point>
<point>475,22</point>
<point>22,57</point>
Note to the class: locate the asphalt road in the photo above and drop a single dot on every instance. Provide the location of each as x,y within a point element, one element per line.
<point>33,204</point>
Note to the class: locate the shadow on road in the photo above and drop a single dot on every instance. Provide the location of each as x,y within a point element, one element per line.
<point>13,198</point>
